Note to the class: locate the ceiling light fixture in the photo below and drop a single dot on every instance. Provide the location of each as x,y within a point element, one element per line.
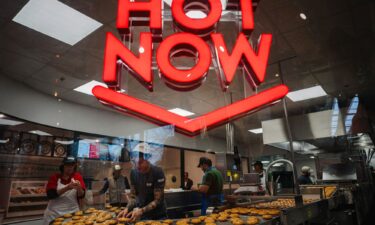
<point>2,115</point>
<point>303,16</point>
<point>57,20</point>
<point>64,142</point>
<point>307,93</point>
<point>7,122</point>
<point>40,133</point>
<point>256,131</point>
<point>4,141</point>
<point>181,112</point>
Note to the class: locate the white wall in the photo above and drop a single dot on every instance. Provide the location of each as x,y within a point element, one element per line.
<point>21,101</point>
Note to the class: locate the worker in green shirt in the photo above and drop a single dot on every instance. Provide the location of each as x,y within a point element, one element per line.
<point>211,186</point>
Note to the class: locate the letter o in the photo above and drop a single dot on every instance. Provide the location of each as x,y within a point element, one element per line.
<point>183,79</point>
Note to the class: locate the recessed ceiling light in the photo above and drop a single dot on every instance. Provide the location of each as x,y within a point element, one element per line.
<point>9,122</point>
<point>307,93</point>
<point>57,20</point>
<point>40,133</point>
<point>4,141</point>
<point>256,131</point>
<point>181,112</point>
<point>303,16</point>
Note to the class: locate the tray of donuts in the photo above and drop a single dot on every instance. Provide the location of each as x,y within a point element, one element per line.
<point>234,216</point>
<point>222,218</point>
<point>92,216</point>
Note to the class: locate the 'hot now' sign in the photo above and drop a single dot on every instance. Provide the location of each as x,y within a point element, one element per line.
<point>195,37</point>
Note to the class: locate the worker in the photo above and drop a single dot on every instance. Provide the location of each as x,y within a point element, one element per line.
<point>64,189</point>
<point>258,168</point>
<point>305,176</point>
<point>211,186</point>
<point>146,198</point>
<point>188,183</point>
<point>116,184</point>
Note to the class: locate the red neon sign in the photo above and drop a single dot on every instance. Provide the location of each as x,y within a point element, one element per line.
<point>255,64</point>
<point>139,64</point>
<point>192,25</point>
<point>183,79</point>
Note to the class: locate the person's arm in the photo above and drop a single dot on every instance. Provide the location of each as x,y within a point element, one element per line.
<point>51,188</point>
<point>131,198</point>
<point>126,181</point>
<point>158,196</point>
<point>207,182</point>
<point>159,184</point>
<point>104,188</point>
<point>132,195</point>
<point>79,185</point>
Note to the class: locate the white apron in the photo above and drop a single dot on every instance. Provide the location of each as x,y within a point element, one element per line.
<point>65,203</point>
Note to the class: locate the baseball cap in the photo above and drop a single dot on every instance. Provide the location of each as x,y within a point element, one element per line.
<point>69,159</point>
<point>117,167</point>
<point>305,169</point>
<point>204,160</point>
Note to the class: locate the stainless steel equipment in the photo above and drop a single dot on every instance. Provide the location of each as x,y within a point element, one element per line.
<point>271,190</point>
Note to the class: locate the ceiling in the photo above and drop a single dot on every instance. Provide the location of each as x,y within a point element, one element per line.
<point>333,47</point>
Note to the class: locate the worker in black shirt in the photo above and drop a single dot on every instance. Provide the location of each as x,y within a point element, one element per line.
<point>146,198</point>
<point>116,185</point>
<point>188,183</point>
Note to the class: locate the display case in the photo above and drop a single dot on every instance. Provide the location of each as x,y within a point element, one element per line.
<point>27,198</point>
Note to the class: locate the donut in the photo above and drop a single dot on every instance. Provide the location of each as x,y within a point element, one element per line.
<point>124,220</point>
<point>168,221</point>
<point>76,217</point>
<point>267,217</point>
<point>68,215</point>
<point>237,222</point>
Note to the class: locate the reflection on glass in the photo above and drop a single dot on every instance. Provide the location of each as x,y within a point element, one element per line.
<point>352,110</point>
<point>334,117</point>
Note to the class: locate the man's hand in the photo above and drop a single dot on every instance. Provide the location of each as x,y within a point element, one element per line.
<point>123,213</point>
<point>135,214</point>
